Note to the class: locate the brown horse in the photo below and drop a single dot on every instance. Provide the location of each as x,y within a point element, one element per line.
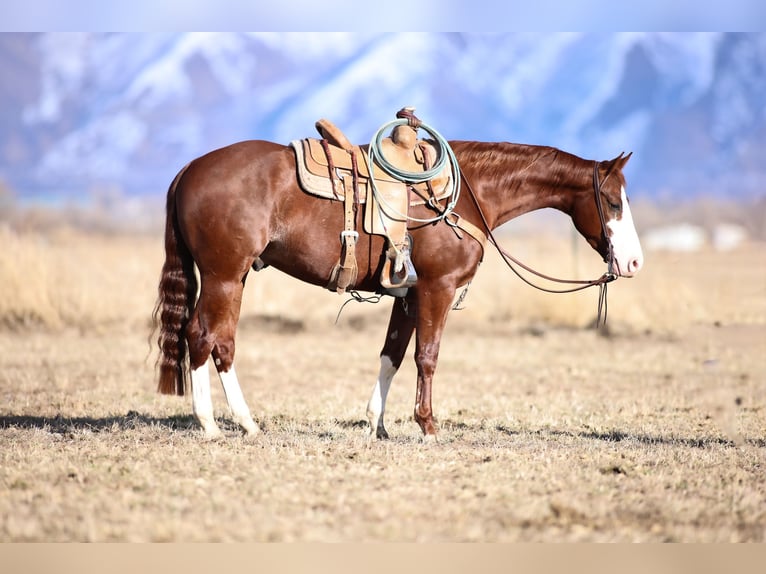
<point>241,207</point>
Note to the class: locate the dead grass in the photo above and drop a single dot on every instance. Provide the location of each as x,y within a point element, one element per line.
<point>652,431</point>
<point>531,448</point>
<point>66,279</point>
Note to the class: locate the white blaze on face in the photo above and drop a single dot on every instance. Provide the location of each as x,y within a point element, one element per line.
<point>628,255</point>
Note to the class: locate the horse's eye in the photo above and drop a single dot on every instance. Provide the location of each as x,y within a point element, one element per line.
<point>616,206</point>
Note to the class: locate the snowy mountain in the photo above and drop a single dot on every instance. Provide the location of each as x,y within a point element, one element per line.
<point>126,111</point>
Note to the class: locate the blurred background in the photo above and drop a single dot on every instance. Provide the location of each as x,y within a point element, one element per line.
<point>90,117</point>
<point>94,126</point>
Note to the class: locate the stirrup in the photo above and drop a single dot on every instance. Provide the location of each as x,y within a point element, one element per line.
<point>398,270</point>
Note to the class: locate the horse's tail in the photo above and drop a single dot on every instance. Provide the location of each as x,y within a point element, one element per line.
<point>177,292</point>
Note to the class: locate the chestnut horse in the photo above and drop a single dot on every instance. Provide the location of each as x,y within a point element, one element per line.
<point>241,207</point>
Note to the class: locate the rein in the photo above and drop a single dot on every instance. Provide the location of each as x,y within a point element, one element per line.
<point>601,282</point>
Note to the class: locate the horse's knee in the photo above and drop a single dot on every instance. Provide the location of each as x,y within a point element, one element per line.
<point>426,359</point>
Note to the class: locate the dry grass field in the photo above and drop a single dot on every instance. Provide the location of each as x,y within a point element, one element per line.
<point>651,430</point>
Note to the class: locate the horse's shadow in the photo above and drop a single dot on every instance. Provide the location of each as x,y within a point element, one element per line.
<point>134,420</point>
<point>130,421</point>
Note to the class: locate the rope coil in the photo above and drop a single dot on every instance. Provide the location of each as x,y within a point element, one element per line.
<point>444,153</point>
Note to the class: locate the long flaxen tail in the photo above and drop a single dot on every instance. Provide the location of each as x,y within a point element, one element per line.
<point>177,292</point>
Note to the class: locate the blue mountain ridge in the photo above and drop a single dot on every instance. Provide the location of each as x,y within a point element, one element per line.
<point>126,111</point>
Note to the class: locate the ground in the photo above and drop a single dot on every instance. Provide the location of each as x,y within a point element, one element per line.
<point>651,430</point>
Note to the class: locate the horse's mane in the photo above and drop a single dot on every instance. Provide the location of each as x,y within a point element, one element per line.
<point>506,162</point>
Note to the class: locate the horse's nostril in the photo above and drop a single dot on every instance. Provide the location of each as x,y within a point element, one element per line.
<point>634,265</point>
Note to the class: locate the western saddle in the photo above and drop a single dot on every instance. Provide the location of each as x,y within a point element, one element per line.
<point>333,168</point>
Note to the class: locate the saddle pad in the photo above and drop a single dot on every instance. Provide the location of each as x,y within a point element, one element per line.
<point>313,170</point>
<point>315,183</point>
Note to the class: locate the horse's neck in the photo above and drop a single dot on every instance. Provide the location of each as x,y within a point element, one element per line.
<point>512,179</point>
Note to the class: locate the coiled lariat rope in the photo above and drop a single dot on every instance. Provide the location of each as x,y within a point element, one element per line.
<point>444,153</point>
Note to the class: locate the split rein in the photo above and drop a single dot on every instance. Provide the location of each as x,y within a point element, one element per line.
<point>601,282</point>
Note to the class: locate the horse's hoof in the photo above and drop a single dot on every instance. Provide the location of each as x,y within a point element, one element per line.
<point>249,427</point>
<point>212,433</point>
<point>375,436</point>
<point>251,434</point>
<point>430,439</point>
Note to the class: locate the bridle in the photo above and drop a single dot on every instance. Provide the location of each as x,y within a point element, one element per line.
<point>601,282</point>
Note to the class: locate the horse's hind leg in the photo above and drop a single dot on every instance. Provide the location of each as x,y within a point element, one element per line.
<point>212,330</point>
<point>398,336</point>
<point>223,356</point>
<point>237,405</point>
<point>202,402</point>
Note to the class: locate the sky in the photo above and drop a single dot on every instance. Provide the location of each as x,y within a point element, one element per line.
<point>403,15</point>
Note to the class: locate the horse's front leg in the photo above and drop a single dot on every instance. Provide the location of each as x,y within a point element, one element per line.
<point>400,328</point>
<point>433,307</point>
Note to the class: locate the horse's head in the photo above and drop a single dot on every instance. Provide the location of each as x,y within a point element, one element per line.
<point>603,216</point>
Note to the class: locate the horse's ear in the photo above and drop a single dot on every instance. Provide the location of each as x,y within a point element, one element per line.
<point>614,164</point>
<point>622,159</point>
